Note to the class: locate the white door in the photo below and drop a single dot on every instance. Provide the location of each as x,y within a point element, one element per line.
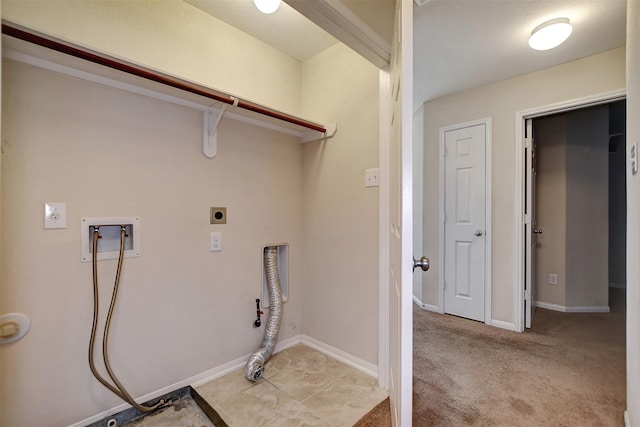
<point>465,226</point>
<point>530,227</point>
<point>401,219</point>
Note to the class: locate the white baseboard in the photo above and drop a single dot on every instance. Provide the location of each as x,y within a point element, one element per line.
<point>236,364</point>
<point>504,325</point>
<point>578,309</point>
<point>194,381</point>
<point>627,422</point>
<point>344,357</point>
<point>427,307</point>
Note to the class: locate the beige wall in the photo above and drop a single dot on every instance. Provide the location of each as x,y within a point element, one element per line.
<point>500,101</point>
<point>618,214</point>
<point>182,309</point>
<point>633,213</point>
<point>340,228</point>
<point>572,208</point>
<point>316,202</point>
<point>587,206</point>
<point>174,37</point>
<point>551,209</point>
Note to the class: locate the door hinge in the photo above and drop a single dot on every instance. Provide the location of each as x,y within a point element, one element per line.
<point>527,142</point>
<point>527,294</point>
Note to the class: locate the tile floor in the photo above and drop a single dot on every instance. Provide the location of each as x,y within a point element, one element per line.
<point>300,387</point>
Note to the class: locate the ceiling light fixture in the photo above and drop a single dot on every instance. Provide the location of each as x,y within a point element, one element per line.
<point>267,6</point>
<point>550,34</point>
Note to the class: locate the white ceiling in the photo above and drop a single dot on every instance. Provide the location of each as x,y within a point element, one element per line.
<point>458,44</point>
<point>285,29</point>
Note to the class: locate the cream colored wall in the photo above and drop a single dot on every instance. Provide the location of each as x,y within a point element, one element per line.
<point>551,209</point>
<point>174,37</point>
<point>500,101</point>
<point>201,301</point>
<point>376,14</point>
<point>587,207</point>
<point>182,309</point>
<point>572,207</point>
<point>340,227</point>
<point>618,214</point>
<point>633,213</point>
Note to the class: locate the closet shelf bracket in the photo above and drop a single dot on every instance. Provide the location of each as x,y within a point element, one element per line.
<point>310,136</point>
<point>212,118</point>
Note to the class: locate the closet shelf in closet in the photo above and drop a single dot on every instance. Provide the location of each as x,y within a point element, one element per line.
<point>37,49</point>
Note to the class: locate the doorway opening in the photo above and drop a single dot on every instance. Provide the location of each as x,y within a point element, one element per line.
<point>573,208</point>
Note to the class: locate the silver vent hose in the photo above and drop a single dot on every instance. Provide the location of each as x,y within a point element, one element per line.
<point>256,362</point>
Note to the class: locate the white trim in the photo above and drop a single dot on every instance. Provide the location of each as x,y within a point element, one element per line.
<point>383,232</point>
<point>194,381</point>
<point>342,356</point>
<point>346,26</point>
<point>236,364</point>
<point>504,325</point>
<point>418,198</point>
<point>578,309</point>
<point>520,117</point>
<point>488,218</point>
<point>627,422</point>
<point>441,220</point>
<point>426,307</point>
<point>488,174</point>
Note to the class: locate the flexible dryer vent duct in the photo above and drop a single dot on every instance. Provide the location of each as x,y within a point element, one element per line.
<point>256,362</point>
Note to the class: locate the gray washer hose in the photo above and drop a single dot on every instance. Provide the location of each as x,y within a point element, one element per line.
<point>256,362</point>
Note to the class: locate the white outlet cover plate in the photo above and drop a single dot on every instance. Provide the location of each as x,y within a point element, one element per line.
<point>55,215</point>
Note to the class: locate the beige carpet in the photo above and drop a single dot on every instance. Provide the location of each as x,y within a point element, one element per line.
<point>568,370</point>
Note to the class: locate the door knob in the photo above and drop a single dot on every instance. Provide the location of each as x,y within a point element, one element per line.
<point>477,233</point>
<point>537,230</point>
<point>423,263</point>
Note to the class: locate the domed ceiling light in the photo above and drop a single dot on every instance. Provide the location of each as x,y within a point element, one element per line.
<point>550,34</point>
<point>267,6</point>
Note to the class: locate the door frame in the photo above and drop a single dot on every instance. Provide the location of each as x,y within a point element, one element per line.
<point>487,203</point>
<point>520,191</point>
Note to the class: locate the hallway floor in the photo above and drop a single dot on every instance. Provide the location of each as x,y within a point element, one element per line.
<point>568,370</point>
<point>301,387</point>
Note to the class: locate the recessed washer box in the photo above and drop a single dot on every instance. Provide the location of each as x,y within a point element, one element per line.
<point>109,241</point>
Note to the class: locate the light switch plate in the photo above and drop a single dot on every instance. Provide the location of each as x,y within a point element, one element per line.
<point>55,215</point>
<point>371,177</point>
<point>215,242</point>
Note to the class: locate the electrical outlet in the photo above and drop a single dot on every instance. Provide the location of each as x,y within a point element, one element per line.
<point>371,177</point>
<point>215,242</point>
<point>55,215</point>
<point>553,279</point>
